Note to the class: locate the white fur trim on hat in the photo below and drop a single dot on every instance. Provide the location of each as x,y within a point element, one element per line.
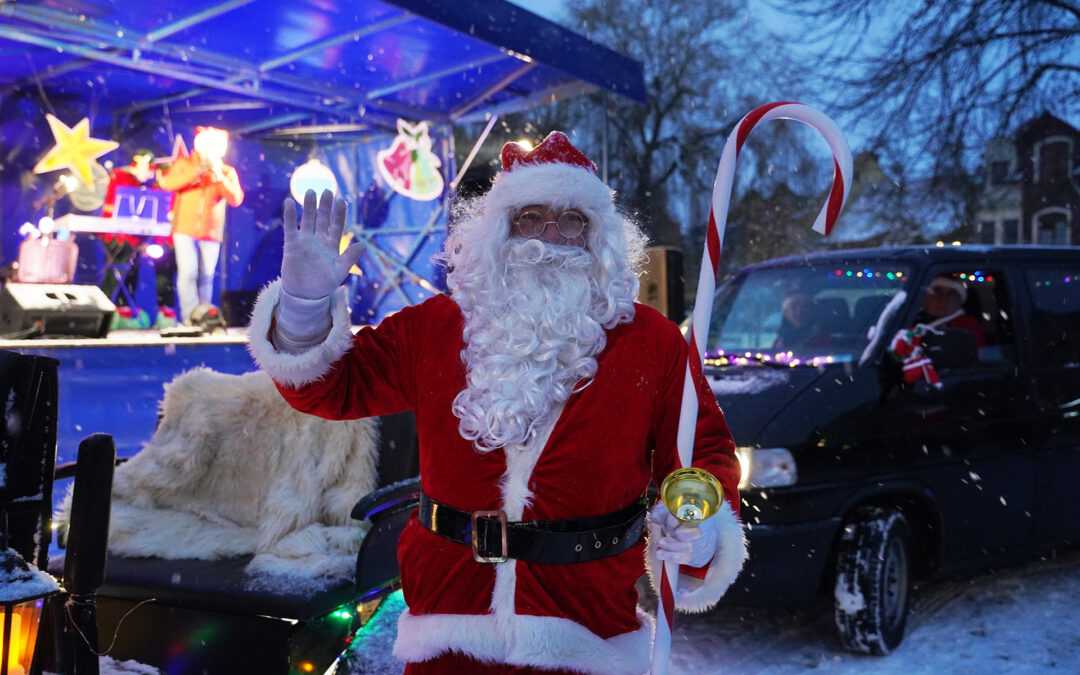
<point>307,366</point>
<point>698,595</point>
<point>952,284</point>
<point>557,184</point>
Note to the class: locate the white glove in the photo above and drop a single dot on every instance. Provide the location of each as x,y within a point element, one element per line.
<point>311,266</point>
<point>682,543</point>
<point>311,270</point>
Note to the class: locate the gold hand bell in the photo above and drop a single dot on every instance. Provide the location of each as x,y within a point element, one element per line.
<point>691,494</point>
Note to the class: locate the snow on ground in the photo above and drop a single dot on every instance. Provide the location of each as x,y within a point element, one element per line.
<point>109,666</point>
<point>1019,620</point>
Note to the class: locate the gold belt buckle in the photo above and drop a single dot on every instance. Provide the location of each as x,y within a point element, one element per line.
<point>501,517</point>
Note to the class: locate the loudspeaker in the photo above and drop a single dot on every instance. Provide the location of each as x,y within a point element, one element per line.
<point>662,282</point>
<point>54,309</point>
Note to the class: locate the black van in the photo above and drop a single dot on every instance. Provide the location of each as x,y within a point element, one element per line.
<point>866,467</point>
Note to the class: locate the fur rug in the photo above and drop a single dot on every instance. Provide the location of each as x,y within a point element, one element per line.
<point>232,470</point>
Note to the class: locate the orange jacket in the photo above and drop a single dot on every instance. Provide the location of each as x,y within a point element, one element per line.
<point>199,205</point>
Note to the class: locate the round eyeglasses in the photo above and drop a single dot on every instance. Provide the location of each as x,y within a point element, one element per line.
<point>532,223</point>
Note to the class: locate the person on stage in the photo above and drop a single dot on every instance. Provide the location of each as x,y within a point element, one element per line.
<point>204,185</point>
<point>546,401</point>
<point>123,249</point>
<point>139,173</point>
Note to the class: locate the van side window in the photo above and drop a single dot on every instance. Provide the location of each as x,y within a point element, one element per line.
<point>977,300</point>
<point>1055,320</point>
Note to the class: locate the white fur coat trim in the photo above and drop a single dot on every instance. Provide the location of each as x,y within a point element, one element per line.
<point>522,640</point>
<point>555,184</point>
<point>698,595</point>
<point>516,495</point>
<point>308,366</point>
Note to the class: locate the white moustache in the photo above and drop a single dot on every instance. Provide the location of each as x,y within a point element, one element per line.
<point>530,252</point>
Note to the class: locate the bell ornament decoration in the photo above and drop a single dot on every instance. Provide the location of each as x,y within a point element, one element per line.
<point>691,494</point>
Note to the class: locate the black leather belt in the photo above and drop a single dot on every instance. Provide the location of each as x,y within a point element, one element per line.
<point>553,542</point>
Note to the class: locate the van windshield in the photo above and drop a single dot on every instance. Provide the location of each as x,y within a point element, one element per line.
<point>803,315</point>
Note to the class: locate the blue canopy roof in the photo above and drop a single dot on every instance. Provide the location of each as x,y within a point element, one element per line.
<point>279,67</point>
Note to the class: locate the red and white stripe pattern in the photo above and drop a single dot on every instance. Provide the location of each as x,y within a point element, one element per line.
<point>703,303</point>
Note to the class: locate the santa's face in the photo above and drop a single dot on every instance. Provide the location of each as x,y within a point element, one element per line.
<point>540,221</point>
<point>529,340</point>
<point>537,304</point>
<point>942,300</point>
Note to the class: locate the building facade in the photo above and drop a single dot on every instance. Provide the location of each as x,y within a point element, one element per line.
<point>1031,193</point>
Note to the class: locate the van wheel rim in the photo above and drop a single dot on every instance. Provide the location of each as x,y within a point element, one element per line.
<point>896,582</point>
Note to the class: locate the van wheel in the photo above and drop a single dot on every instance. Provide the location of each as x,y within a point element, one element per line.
<point>873,581</point>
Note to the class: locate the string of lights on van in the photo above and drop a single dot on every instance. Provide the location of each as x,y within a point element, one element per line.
<point>867,273</point>
<point>1067,279</point>
<point>975,277</point>
<point>722,358</point>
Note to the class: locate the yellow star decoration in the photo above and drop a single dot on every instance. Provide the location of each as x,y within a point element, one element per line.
<point>74,149</point>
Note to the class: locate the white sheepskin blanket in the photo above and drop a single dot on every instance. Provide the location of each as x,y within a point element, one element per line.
<point>232,470</point>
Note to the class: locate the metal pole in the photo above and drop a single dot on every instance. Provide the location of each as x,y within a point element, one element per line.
<point>604,144</point>
<point>472,153</point>
<point>7,638</point>
<point>84,563</point>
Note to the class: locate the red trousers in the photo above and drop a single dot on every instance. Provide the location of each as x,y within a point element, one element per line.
<point>459,664</point>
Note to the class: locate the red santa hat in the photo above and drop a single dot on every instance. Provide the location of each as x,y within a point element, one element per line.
<point>554,173</point>
<point>949,283</point>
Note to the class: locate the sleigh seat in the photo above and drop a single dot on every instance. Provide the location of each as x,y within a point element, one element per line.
<point>228,608</point>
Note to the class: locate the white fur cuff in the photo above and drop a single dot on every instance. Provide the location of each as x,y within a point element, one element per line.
<point>307,366</point>
<point>698,595</point>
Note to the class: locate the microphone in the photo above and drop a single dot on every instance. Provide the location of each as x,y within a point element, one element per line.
<point>214,166</point>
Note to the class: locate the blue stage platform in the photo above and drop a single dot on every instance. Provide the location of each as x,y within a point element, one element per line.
<point>114,384</point>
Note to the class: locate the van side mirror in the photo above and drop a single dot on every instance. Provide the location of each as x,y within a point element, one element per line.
<point>952,348</point>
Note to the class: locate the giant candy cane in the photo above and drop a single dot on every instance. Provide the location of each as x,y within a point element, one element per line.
<point>703,303</point>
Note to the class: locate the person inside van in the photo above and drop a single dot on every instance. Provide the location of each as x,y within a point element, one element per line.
<point>799,327</point>
<point>943,307</point>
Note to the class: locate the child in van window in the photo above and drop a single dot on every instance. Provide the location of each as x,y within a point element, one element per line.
<point>943,307</point>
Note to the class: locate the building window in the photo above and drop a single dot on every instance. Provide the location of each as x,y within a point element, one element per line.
<point>1052,161</point>
<point>1010,231</point>
<point>1052,229</point>
<point>986,232</point>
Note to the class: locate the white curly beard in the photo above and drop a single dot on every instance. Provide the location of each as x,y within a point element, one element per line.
<point>529,340</point>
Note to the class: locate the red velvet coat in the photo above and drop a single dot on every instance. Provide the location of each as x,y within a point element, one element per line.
<point>611,439</point>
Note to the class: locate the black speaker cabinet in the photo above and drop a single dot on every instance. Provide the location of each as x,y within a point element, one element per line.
<point>54,309</point>
<point>662,282</point>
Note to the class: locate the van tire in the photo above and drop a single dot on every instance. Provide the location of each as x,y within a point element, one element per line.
<point>872,595</point>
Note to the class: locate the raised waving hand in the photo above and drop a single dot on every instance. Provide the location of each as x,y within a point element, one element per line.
<point>311,265</point>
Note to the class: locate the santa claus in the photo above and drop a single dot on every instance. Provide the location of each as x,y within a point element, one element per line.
<point>546,401</point>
